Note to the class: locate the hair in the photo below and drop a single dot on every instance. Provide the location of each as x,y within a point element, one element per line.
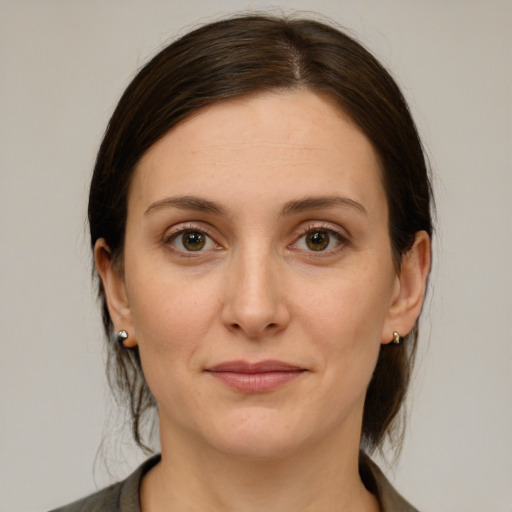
<point>250,54</point>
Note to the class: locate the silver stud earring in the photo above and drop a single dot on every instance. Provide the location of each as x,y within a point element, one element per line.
<point>396,338</point>
<point>121,337</point>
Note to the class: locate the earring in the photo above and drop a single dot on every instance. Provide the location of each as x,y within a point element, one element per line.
<point>396,338</point>
<point>121,337</point>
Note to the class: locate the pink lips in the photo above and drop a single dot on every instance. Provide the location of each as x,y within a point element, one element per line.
<point>255,377</point>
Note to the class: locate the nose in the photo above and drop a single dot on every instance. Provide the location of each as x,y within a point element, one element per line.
<point>254,302</point>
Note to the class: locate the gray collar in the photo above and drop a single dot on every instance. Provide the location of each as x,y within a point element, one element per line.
<point>372,476</point>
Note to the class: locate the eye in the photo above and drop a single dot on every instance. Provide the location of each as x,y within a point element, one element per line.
<point>191,240</point>
<point>319,240</point>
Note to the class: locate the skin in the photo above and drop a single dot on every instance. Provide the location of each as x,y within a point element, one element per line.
<point>258,290</point>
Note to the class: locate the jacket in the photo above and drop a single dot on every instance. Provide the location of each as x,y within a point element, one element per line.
<point>124,496</point>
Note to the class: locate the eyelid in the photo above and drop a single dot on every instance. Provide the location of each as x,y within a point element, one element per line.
<point>335,230</point>
<point>185,226</point>
<point>323,225</point>
<point>175,231</point>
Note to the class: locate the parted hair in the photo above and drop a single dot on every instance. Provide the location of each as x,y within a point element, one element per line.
<point>250,54</point>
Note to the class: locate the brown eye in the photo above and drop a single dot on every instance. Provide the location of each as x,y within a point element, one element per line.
<point>317,240</point>
<point>193,240</point>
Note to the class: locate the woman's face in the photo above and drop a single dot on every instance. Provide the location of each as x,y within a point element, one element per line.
<point>258,276</point>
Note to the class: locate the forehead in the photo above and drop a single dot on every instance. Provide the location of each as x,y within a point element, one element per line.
<point>262,146</point>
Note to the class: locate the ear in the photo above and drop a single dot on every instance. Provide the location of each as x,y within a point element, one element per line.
<point>410,289</point>
<point>115,291</point>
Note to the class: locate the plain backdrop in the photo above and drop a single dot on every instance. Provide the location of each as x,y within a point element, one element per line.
<point>64,64</point>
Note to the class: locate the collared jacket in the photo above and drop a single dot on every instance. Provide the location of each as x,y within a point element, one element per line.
<point>124,496</point>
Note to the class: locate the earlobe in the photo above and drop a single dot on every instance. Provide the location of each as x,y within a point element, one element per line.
<point>114,287</point>
<point>410,290</point>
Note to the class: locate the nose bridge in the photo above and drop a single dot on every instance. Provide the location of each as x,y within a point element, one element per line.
<point>254,301</point>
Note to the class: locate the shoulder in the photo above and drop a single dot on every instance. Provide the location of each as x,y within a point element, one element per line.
<point>106,500</point>
<point>120,497</point>
<point>389,498</point>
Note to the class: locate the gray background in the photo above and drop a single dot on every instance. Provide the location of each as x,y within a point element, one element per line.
<point>64,64</point>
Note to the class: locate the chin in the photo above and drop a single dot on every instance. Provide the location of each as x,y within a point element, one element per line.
<point>258,437</point>
<point>259,447</point>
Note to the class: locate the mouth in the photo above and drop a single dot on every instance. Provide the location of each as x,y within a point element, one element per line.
<point>260,377</point>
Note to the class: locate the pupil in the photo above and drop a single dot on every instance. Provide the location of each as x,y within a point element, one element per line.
<point>193,241</point>
<point>317,241</point>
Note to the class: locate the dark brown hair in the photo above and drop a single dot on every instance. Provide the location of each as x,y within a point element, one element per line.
<point>249,54</point>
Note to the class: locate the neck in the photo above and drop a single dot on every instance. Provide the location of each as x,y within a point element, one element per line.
<point>192,477</point>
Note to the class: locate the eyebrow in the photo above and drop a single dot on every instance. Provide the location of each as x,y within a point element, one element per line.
<point>200,204</point>
<point>194,203</point>
<point>316,203</point>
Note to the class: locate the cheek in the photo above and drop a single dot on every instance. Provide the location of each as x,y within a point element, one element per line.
<point>352,306</point>
<point>170,312</point>
<point>344,317</point>
<point>172,316</point>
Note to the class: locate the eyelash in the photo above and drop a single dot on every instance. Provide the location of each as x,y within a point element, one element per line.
<point>182,230</point>
<point>341,239</point>
<point>304,231</point>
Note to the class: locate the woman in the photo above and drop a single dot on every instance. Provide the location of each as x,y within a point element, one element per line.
<point>260,222</point>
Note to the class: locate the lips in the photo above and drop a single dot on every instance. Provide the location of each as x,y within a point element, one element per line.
<point>260,377</point>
